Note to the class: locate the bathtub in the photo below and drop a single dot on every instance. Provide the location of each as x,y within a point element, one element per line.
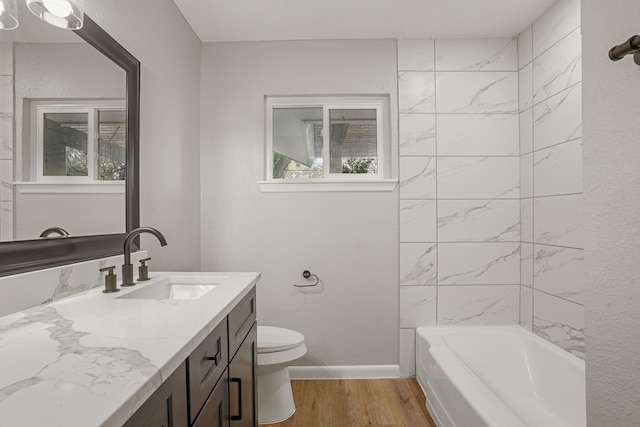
<point>498,376</point>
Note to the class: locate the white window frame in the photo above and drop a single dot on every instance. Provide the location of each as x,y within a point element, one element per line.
<point>91,108</point>
<point>331,181</point>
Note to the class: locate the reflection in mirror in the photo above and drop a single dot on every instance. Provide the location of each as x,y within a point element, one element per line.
<point>86,142</point>
<point>65,166</point>
<point>117,70</point>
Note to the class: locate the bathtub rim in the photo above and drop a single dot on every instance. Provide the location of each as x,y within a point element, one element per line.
<point>438,332</point>
<point>434,343</point>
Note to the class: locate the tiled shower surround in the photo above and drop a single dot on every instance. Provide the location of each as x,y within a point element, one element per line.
<point>552,299</point>
<point>490,181</point>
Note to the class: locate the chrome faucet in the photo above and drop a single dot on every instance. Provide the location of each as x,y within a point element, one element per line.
<point>127,268</point>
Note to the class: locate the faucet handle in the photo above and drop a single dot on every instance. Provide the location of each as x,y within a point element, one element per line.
<point>143,270</point>
<point>110,280</point>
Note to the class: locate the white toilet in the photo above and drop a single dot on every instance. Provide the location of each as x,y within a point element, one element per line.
<point>277,348</point>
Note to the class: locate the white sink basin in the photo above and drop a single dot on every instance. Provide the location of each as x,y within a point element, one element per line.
<point>176,288</point>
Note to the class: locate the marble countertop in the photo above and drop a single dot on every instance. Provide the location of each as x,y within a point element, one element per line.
<point>93,359</point>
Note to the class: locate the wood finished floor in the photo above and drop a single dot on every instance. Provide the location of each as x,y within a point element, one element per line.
<point>358,403</point>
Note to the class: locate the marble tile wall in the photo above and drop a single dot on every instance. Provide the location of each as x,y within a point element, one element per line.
<point>21,291</point>
<point>550,75</point>
<point>6,141</point>
<point>460,189</point>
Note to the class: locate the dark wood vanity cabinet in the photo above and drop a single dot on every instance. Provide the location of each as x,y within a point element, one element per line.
<point>206,366</point>
<point>217,385</point>
<point>243,408</point>
<point>215,411</point>
<point>241,320</point>
<point>167,406</point>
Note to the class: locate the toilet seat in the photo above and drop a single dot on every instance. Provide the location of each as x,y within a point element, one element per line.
<point>272,339</point>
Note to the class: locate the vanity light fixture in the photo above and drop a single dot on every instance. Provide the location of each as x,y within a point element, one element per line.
<point>8,15</point>
<point>67,14</point>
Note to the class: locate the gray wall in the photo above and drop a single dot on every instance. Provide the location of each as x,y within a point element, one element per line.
<point>349,239</point>
<point>155,32</point>
<point>612,230</point>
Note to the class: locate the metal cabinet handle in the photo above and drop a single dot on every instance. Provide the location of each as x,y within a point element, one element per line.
<point>170,411</point>
<point>239,381</point>
<point>216,358</point>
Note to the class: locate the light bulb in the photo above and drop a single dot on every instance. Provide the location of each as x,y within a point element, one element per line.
<point>61,13</point>
<point>58,8</point>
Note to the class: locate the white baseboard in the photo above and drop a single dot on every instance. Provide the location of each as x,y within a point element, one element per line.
<point>343,372</point>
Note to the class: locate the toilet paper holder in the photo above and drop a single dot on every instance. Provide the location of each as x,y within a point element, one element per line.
<point>306,274</point>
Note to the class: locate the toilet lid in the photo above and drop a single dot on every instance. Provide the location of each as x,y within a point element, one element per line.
<point>272,339</point>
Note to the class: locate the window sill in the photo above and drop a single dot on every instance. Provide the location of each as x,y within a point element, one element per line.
<point>105,187</point>
<point>327,186</point>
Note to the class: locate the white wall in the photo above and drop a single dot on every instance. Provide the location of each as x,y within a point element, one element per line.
<point>155,32</point>
<point>552,299</point>
<point>459,191</point>
<point>348,239</point>
<point>612,223</point>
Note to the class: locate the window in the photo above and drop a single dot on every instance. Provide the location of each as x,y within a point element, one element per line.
<point>326,139</point>
<point>79,142</point>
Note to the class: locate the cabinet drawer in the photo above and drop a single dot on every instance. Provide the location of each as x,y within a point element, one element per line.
<point>241,319</point>
<point>205,366</point>
<point>215,412</point>
<point>167,406</point>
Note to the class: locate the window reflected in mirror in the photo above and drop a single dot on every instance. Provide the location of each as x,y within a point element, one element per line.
<point>64,144</point>
<point>112,141</point>
<point>80,141</point>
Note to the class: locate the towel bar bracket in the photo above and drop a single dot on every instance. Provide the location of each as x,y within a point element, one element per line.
<point>306,274</point>
<point>630,47</point>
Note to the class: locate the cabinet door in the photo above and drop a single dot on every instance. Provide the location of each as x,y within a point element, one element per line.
<point>243,403</point>
<point>167,406</point>
<point>215,412</point>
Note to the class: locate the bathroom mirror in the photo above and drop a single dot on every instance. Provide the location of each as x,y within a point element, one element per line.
<point>31,253</point>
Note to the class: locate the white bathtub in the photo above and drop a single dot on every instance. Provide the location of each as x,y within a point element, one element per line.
<point>498,376</point>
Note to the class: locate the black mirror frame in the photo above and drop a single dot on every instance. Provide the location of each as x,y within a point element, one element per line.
<point>28,255</point>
